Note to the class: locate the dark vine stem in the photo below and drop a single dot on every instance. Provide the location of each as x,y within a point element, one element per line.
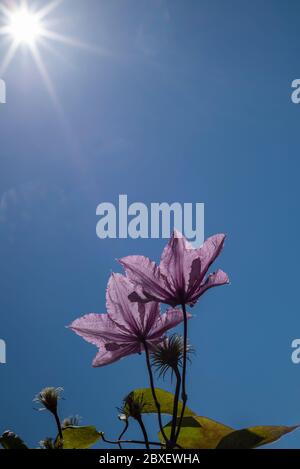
<point>144,431</point>
<point>173,438</point>
<point>157,404</point>
<point>183,392</point>
<point>58,425</point>
<point>123,432</point>
<point>135,442</point>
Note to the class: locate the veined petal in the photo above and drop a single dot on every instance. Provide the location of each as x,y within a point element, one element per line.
<point>209,251</point>
<point>121,310</point>
<point>176,262</point>
<point>171,318</point>
<point>152,315</point>
<point>97,328</point>
<point>146,275</point>
<point>113,352</point>
<point>213,280</point>
<point>195,278</point>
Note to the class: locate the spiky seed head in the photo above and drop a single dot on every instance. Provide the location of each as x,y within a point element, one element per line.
<point>48,398</point>
<point>133,406</point>
<point>168,355</point>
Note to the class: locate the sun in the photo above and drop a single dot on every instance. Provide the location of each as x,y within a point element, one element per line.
<point>24,26</point>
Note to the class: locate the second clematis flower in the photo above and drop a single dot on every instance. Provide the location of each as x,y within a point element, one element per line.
<point>180,278</point>
<point>128,327</point>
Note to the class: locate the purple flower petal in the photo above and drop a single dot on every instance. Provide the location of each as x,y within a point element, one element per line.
<point>126,327</point>
<point>209,251</point>
<point>213,280</point>
<point>176,262</point>
<point>180,276</point>
<point>142,271</point>
<point>109,354</point>
<point>150,317</point>
<point>120,309</point>
<point>97,328</point>
<point>171,318</point>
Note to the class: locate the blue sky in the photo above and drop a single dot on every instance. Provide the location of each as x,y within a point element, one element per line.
<point>178,101</point>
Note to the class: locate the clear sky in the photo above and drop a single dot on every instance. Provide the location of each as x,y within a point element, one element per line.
<point>177,101</point>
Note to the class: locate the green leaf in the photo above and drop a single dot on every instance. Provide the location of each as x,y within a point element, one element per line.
<point>204,433</point>
<point>9,440</point>
<point>165,399</point>
<point>269,433</point>
<point>253,437</point>
<point>80,437</point>
<point>199,433</point>
<point>240,439</point>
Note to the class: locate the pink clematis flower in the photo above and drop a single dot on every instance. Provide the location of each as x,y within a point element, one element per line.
<point>127,326</point>
<point>180,277</point>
